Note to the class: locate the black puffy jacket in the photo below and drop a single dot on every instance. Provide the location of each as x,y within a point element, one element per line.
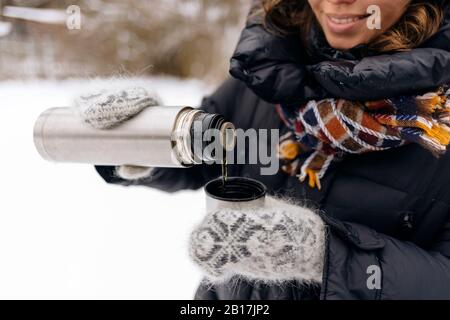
<point>388,210</point>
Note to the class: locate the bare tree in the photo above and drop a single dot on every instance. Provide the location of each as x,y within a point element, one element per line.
<point>187,38</point>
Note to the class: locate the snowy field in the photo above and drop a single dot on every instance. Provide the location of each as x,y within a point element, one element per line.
<point>65,234</point>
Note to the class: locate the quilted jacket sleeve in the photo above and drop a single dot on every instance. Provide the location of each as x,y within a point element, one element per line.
<point>365,265</point>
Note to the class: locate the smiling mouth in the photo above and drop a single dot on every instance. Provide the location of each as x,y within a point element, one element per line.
<point>347,19</point>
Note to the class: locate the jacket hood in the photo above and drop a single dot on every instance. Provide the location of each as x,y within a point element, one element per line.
<point>279,70</point>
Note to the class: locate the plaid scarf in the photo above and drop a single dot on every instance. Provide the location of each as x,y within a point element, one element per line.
<point>323,131</point>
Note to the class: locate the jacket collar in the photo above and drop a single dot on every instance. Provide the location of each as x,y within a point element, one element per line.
<point>322,51</point>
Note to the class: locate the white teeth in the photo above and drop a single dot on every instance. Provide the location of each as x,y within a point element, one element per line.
<point>344,20</point>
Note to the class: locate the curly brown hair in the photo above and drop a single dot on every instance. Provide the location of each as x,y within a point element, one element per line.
<point>421,21</point>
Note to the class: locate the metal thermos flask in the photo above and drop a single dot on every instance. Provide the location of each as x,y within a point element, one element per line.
<point>159,136</point>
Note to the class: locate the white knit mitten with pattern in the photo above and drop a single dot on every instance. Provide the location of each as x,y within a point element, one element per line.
<point>105,109</point>
<point>276,243</point>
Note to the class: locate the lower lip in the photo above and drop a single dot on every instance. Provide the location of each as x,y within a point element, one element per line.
<point>344,28</point>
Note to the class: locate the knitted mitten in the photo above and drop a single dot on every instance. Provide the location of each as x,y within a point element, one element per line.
<point>106,109</point>
<point>276,243</point>
<point>128,172</point>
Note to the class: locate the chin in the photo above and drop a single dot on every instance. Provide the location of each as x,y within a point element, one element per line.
<point>343,45</point>
<point>346,43</point>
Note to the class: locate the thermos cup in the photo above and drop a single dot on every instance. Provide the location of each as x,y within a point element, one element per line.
<point>234,193</point>
<point>159,136</point>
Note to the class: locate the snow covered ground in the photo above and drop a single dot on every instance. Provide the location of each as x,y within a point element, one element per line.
<point>65,234</point>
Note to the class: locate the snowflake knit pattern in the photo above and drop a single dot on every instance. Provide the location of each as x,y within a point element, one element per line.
<point>276,243</point>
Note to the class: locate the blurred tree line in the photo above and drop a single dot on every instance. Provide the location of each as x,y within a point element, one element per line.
<point>184,38</point>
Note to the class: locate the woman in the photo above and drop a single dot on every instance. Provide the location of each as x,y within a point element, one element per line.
<point>386,212</point>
